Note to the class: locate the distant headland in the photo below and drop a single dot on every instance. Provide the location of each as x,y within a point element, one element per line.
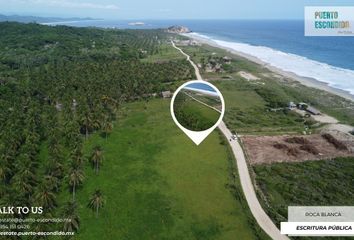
<point>31,19</point>
<point>178,29</point>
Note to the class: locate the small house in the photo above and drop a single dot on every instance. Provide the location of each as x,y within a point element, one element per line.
<point>302,106</point>
<point>218,68</point>
<point>58,106</point>
<point>166,94</point>
<point>208,68</point>
<point>227,60</point>
<point>291,105</point>
<point>74,104</point>
<point>313,110</point>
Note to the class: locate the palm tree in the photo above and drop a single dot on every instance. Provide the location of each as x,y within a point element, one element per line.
<point>45,197</point>
<point>77,158</point>
<point>54,146</point>
<point>52,182</point>
<point>107,127</point>
<point>55,169</point>
<point>89,123</point>
<point>97,158</point>
<point>76,177</point>
<point>4,170</point>
<point>70,212</point>
<point>25,178</point>
<point>22,183</point>
<point>96,201</point>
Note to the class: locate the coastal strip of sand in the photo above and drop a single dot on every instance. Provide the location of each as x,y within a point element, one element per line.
<point>310,82</point>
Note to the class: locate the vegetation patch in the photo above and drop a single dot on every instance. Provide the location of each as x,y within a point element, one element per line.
<point>192,114</point>
<point>312,183</point>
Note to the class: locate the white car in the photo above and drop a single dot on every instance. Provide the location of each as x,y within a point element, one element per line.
<point>234,137</point>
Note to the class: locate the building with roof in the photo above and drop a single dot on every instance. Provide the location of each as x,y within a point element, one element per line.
<point>166,94</point>
<point>313,110</point>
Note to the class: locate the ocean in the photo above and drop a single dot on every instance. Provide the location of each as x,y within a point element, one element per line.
<point>279,43</point>
<point>201,86</point>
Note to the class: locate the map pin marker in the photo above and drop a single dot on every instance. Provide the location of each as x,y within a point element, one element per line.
<point>197,108</point>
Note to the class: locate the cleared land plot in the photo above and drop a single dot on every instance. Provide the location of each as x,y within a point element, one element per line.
<point>271,149</point>
<point>248,76</point>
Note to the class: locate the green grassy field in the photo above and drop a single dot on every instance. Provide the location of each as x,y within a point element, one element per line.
<point>211,101</point>
<point>194,115</point>
<point>166,53</point>
<point>247,112</point>
<point>159,185</point>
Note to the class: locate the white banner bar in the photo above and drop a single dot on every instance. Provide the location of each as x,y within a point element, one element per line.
<point>317,228</point>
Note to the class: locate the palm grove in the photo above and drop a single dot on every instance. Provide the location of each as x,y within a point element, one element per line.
<point>58,85</point>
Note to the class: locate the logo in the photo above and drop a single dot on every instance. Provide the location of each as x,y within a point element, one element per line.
<point>329,21</point>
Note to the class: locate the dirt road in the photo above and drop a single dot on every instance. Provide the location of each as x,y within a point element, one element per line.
<point>202,102</point>
<point>247,186</point>
<point>197,73</point>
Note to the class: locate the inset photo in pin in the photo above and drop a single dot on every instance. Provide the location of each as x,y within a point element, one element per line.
<point>197,107</point>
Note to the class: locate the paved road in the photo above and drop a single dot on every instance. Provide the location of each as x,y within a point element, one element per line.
<point>259,214</point>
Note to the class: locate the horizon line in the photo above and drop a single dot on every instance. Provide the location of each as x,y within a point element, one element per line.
<point>148,19</point>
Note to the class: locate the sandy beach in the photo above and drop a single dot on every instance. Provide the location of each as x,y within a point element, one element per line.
<point>310,82</point>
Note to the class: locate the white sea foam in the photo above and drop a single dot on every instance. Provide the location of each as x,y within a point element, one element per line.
<point>336,77</point>
<point>215,94</point>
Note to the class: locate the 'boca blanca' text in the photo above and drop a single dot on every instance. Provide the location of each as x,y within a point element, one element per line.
<point>323,214</point>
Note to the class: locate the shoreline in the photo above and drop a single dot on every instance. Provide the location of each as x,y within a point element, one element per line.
<point>213,94</point>
<point>309,82</point>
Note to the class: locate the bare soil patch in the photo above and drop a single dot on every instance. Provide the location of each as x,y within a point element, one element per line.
<point>270,149</point>
<point>248,76</point>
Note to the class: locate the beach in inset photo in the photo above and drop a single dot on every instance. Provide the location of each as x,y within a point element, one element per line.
<point>197,106</point>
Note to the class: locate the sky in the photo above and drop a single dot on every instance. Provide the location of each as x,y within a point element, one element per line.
<point>166,9</point>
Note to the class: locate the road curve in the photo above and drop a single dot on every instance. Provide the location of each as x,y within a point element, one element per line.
<point>258,213</point>
<point>197,73</point>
